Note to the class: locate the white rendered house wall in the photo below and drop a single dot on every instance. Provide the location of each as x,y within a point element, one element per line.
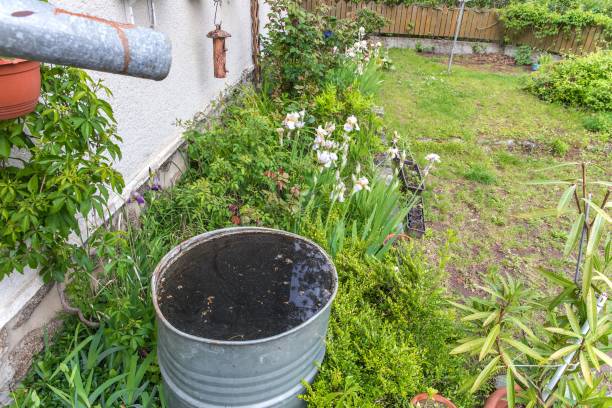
<point>146,111</point>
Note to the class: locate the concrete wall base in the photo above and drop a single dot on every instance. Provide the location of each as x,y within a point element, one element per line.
<point>444,46</point>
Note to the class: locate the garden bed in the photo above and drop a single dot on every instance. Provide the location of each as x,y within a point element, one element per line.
<point>298,154</point>
<point>298,158</point>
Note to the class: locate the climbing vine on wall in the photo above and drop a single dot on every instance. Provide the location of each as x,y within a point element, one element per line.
<point>546,21</point>
<point>55,167</point>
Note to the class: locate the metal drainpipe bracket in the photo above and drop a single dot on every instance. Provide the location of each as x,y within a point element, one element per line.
<point>128,6</point>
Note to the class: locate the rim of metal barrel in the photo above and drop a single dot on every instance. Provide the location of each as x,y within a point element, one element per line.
<point>175,252</point>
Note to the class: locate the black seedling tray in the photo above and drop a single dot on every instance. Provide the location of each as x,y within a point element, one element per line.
<point>411,176</point>
<point>415,220</point>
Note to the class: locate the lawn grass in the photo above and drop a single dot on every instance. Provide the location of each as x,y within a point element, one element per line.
<point>493,138</point>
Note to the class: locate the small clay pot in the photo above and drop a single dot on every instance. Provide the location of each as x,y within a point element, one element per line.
<point>498,398</point>
<point>20,85</point>
<point>398,237</point>
<point>437,398</point>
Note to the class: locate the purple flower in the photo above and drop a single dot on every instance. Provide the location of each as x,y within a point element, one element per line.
<point>136,196</point>
<point>156,184</point>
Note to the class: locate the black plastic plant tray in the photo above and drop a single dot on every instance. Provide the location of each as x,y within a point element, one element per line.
<point>411,176</point>
<point>415,220</point>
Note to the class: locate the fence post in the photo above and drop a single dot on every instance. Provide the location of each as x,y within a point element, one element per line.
<point>459,19</point>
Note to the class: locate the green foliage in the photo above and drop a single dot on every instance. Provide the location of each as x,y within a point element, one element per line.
<point>479,48</point>
<point>327,102</point>
<point>601,7</point>
<point>370,20</point>
<point>545,58</point>
<point>523,55</point>
<point>600,122</point>
<point>301,47</point>
<point>93,373</point>
<point>56,168</point>
<point>419,47</point>
<point>378,215</point>
<point>559,147</point>
<point>578,81</point>
<point>389,334</point>
<point>480,174</point>
<point>549,18</point>
<point>371,216</point>
<point>449,3</point>
<point>524,332</point>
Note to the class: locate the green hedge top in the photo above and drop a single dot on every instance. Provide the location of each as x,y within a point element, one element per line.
<point>546,21</point>
<point>595,6</point>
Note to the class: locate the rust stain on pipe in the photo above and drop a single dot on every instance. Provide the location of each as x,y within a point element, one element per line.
<point>119,27</point>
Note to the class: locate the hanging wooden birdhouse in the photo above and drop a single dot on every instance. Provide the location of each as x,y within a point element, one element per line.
<point>219,50</point>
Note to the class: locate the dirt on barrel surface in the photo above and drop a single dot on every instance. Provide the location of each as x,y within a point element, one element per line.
<point>245,286</point>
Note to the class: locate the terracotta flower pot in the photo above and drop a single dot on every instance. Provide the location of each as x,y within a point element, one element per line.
<point>437,398</point>
<point>398,237</point>
<point>20,85</point>
<point>498,398</point>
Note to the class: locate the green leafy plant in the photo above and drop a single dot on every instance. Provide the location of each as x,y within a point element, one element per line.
<point>549,18</point>
<point>379,215</point>
<point>576,81</point>
<point>559,148</point>
<point>370,20</point>
<point>93,374</point>
<point>419,47</point>
<point>545,59</point>
<point>389,333</point>
<point>600,122</point>
<point>549,346</point>
<point>301,47</point>
<point>479,48</point>
<point>55,169</point>
<point>480,174</point>
<point>523,55</point>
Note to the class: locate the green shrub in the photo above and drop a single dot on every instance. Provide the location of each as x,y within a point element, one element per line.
<point>545,58</point>
<point>523,55</point>
<point>549,18</point>
<point>70,142</point>
<point>370,20</point>
<point>301,47</point>
<point>600,122</point>
<point>522,330</point>
<point>479,48</point>
<point>389,336</point>
<point>327,102</point>
<point>577,81</point>
<point>559,148</point>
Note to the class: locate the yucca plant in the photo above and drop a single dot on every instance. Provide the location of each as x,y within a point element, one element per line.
<point>552,348</point>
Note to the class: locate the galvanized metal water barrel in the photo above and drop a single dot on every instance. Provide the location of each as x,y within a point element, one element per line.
<point>263,372</point>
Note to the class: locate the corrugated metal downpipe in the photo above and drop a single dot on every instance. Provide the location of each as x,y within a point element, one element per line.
<point>33,30</point>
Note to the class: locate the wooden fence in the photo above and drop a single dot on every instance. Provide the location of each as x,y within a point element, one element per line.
<point>478,25</point>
